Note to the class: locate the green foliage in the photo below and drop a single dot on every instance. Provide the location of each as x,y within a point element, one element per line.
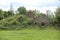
<point>1,14</point>
<point>10,13</point>
<point>50,14</point>
<point>5,14</point>
<point>21,10</point>
<point>58,16</point>
<point>58,12</point>
<point>9,20</point>
<point>14,21</point>
<point>30,34</point>
<point>36,12</point>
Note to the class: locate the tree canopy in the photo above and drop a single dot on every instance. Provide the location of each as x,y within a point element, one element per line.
<point>58,15</point>
<point>21,10</point>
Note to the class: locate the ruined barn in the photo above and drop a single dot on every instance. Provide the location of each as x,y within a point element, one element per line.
<point>42,19</point>
<point>30,14</point>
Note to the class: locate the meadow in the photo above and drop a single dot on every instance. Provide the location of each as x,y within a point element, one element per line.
<point>30,34</point>
<point>23,24</point>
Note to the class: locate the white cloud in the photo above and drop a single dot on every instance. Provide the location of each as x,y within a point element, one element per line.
<point>30,4</point>
<point>27,2</point>
<point>52,8</point>
<point>43,9</point>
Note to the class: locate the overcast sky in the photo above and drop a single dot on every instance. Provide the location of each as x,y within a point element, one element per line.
<point>41,5</point>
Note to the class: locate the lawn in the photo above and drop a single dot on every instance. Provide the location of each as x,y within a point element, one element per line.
<point>30,34</point>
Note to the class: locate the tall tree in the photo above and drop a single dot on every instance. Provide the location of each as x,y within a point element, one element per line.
<point>10,13</point>
<point>21,10</point>
<point>1,14</point>
<point>50,14</point>
<point>36,11</point>
<point>6,14</point>
<point>58,16</point>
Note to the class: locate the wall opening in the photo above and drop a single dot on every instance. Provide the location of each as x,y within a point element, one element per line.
<point>42,24</point>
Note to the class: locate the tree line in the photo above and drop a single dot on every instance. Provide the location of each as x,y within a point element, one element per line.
<point>18,20</point>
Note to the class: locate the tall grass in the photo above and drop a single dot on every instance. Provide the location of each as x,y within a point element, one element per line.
<point>30,34</point>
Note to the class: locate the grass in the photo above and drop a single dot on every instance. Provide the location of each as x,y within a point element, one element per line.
<point>30,34</point>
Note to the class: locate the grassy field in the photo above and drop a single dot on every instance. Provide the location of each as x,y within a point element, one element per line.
<point>30,34</point>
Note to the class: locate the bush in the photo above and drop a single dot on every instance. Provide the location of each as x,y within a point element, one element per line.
<point>15,22</point>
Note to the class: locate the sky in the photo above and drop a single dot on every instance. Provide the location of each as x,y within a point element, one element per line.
<point>41,5</point>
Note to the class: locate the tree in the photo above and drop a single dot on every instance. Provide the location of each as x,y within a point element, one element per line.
<point>10,13</point>
<point>21,10</point>
<point>58,16</point>
<point>6,14</point>
<point>1,14</point>
<point>50,14</point>
<point>36,11</point>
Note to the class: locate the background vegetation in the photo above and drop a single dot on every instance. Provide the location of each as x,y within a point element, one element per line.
<point>10,20</point>
<point>16,26</point>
